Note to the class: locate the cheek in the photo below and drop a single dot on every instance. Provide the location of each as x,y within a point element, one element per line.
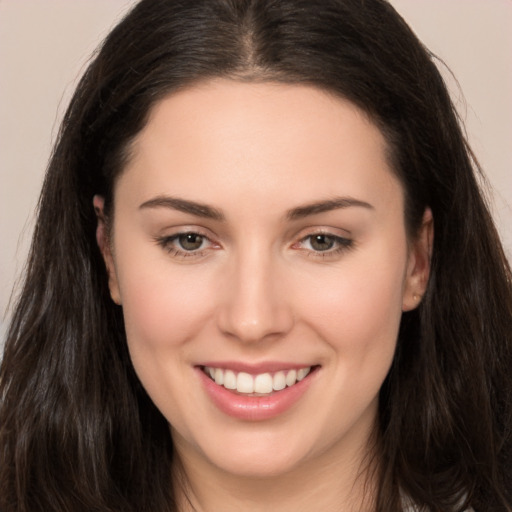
<point>163,305</point>
<point>358,310</point>
<point>163,308</point>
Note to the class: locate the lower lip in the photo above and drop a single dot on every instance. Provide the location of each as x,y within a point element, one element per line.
<point>254,408</point>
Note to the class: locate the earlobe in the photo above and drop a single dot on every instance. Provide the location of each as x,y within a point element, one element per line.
<point>102,239</point>
<point>418,269</point>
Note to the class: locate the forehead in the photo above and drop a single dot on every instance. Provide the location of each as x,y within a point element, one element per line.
<point>277,141</point>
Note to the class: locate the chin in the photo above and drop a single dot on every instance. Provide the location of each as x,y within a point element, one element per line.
<point>257,455</point>
<point>262,467</point>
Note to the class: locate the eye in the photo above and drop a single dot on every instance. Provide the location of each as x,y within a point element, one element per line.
<point>186,244</point>
<point>324,244</point>
<point>190,241</point>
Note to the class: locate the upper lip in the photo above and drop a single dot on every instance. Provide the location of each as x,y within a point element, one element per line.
<point>256,368</point>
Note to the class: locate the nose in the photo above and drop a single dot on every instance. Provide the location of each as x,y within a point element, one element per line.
<point>256,305</point>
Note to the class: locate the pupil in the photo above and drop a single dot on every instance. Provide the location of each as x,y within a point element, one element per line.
<point>322,242</point>
<point>190,241</point>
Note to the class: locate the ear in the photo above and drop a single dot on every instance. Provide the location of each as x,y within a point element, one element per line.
<point>418,266</point>
<point>102,238</point>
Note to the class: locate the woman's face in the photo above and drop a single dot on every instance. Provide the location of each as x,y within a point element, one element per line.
<point>259,236</point>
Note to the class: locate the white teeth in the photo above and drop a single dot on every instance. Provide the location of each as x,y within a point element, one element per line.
<point>302,373</point>
<point>279,381</point>
<point>219,376</point>
<point>229,379</point>
<point>244,383</point>
<point>262,384</point>
<point>291,378</point>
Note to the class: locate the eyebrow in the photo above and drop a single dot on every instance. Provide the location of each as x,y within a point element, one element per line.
<point>209,212</point>
<point>324,206</point>
<point>185,206</point>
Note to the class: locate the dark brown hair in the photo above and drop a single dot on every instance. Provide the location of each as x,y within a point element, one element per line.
<point>77,430</point>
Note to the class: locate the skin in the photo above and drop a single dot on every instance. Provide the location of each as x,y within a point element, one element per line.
<point>258,290</point>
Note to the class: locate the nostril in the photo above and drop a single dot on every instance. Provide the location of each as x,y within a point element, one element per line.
<point>253,304</point>
<point>251,325</point>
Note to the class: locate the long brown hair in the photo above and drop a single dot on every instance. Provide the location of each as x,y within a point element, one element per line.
<point>77,430</point>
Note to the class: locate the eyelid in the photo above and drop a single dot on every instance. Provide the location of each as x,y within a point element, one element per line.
<point>303,230</point>
<point>165,241</point>
<point>343,243</point>
<point>338,238</point>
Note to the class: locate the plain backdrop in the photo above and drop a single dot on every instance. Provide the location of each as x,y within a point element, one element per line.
<point>45,45</point>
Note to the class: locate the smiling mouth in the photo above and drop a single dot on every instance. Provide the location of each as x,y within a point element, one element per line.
<point>262,384</point>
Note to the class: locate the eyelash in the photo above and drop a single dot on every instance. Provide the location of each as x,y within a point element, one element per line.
<point>342,245</point>
<point>166,242</point>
